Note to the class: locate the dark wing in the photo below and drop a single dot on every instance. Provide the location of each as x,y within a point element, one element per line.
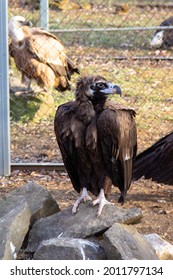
<point>156,162</point>
<point>167,22</point>
<point>62,121</point>
<point>117,133</point>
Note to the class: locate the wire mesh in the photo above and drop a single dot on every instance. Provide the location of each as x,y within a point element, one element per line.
<point>110,38</point>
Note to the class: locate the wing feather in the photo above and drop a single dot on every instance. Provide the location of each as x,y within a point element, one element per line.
<point>117,131</point>
<point>47,49</point>
<point>156,162</point>
<point>67,147</point>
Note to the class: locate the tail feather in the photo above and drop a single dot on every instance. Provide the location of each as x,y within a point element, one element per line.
<point>72,68</point>
<point>122,177</point>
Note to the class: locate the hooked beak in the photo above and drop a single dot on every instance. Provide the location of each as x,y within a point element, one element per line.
<point>24,23</point>
<point>28,23</point>
<point>112,89</point>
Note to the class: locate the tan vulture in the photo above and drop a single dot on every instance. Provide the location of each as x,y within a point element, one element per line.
<point>39,55</point>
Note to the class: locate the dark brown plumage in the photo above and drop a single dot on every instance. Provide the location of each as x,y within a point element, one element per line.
<point>97,139</point>
<point>39,55</point>
<point>156,162</point>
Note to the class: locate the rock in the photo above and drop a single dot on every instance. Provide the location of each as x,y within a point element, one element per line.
<point>41,203</point>
<point>164,249</point>
<point>123,242</point>
<point>65,248</point>
<point>14,224</point>
<point>81,225</point>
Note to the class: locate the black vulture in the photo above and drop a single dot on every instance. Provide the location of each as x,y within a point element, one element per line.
<point>97,139</point>
<point>163,37</point>
<point>39,55</point>
<point>156,162</point>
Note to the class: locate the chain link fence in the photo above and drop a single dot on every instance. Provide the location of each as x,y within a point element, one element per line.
<point>110,38</point>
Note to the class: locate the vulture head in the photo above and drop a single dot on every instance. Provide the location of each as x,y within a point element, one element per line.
<point>157,40</point>
<point>95,88</point>
<point>14,28</point>
<point>163,37</point>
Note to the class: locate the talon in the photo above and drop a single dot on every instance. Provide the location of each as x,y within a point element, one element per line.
<point>101,201</point>
<point>84,197</point>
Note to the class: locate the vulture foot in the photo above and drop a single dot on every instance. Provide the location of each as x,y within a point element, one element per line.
<point>101,201</point>
<point>19,90</point>
<point>84,197</point>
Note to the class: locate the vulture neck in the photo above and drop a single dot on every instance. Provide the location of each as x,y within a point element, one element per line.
<point>99,103</point>
<point>17,35</point>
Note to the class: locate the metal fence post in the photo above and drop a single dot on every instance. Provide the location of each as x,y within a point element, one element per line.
<point>4,92</point>
<point>44,14</point>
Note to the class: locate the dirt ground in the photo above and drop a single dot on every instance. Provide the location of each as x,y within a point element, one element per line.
<point>155,200</point>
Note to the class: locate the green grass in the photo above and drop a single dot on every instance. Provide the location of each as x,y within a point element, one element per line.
<point>23,108</point>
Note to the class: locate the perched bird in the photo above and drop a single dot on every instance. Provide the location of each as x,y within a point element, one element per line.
<point>156,162</point>
<point>39,55</point>
<point>97,139</point>
<point>163,37</point>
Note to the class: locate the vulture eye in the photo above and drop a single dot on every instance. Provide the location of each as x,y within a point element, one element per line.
<point>101,85</point>
<point>98,86</point>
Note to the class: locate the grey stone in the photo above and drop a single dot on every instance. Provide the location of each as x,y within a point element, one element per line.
<point>41,203</point>
<point>18,211</point>
<point>14,224</point>
<point>164,249</point>
<point>81,225</point>
<point>123,242</point>
<point>65,248</point>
